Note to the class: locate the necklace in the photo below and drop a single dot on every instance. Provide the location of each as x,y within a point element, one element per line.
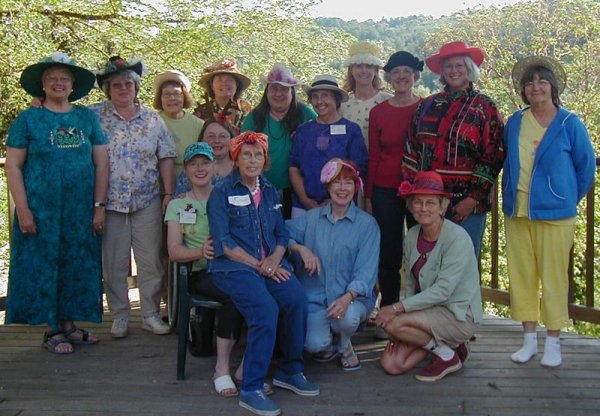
<point>270,132</point>
<point>256,187</point>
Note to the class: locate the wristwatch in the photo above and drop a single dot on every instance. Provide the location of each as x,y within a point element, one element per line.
<point>99,204</point>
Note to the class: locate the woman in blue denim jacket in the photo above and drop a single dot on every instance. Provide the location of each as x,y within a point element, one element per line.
<point>550,166</point>
<point>250,240</point>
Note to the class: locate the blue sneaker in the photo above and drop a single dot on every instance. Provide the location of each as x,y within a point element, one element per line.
<point>258,403</point>
<point>296,383</point>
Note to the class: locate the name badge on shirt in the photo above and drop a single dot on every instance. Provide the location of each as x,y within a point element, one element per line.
<point>187,217</point>
<point>337,129</point>
<point>239,200</point>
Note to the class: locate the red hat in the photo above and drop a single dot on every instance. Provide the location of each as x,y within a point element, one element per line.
<point>434,62</point>
<point>425,183</point>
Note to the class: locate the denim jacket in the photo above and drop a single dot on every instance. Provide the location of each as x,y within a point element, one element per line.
<point>234,221</point>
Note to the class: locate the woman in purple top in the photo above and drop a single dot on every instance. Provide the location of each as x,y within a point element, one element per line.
<point>317,141</point>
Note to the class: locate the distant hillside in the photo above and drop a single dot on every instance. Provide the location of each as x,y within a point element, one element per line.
<point>406,33</point>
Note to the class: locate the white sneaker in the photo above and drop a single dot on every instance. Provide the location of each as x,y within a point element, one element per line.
<point>119,328</point>
<point>155,325</point>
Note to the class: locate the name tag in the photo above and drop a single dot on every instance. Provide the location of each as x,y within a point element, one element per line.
<point>187,217</point>
<point>239,200</point>
<point>337,129</point>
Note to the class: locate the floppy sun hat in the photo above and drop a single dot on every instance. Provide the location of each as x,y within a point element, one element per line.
<point>226,66</point>
<point>325,82</point>
<point>363,53</point>
<point>434,62</point>
<point>117,64</point>
<point>544,61</point>
<point>31,77</point>
<point>425,183</point>
<point>280,74</point>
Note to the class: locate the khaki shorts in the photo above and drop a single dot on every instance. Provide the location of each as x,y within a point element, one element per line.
<point>446,329</point>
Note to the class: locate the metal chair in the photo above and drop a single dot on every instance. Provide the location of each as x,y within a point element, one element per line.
<point>181,303</point>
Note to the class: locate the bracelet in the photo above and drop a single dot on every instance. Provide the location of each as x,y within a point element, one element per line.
<point>352,297</point>
<point>99,204</point>
<point>167,195</point>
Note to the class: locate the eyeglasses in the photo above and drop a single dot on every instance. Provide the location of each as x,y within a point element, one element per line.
<point>223,136</point>
<point>172,94</point>
<point>542,83</point>
<point>249,156</point>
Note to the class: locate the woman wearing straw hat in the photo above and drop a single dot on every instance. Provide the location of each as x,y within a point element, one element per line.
<point>250,240</point>
<point>141,151</point>
<point>171,98</point>
<point>317,141</point>
<point>224,84</point>
<point>442,306</point>
<point>458,133</point>
<point>57,166</point>
<point>363,83</point>
<point>549,168</point>
<point>278,114</point>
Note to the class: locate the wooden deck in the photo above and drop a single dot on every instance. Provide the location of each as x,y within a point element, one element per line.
<point>136,376</point>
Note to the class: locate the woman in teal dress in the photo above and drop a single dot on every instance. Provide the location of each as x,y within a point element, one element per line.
<point>57,167</point>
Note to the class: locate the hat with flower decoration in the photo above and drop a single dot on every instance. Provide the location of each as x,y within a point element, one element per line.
<point>332,169</point>
<point>117,64</point>
<point>363,53</point>
<point>280,74</point>
<point>424,183</point>
<point>226,66</point>
<point>31,77</point>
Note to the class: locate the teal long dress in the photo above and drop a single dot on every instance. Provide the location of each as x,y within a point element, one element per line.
<point>56,275</point>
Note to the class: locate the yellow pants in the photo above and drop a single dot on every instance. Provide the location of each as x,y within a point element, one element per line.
<point>538,252</point>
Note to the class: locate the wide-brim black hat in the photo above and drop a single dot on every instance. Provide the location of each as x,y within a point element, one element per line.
<point>31,77</point>
<point>117,64</point>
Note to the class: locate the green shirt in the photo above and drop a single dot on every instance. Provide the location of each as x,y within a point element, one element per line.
<point>280,144</point>
<point>184,131</point>
<point>194,235</point>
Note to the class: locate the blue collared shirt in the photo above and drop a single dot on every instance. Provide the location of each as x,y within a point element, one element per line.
<point>348,250</point>
<point>235,221</point>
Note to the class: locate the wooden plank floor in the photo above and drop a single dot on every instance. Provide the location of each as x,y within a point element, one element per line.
<point>136,376</point>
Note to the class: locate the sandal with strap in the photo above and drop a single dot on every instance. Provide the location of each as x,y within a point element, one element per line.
<point>57,343</point>
<point>80,336</point>
<point>349,360</point>
<point>326,355</point>
<point>225,386</point>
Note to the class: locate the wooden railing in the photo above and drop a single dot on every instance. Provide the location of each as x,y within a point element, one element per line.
<point>586,312</point>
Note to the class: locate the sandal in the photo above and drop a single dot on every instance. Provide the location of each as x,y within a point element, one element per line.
<point>349,360</point>
<point>325,356</point>
<point>225,386</point>
<point>57,343</point>
<point>80,336</point>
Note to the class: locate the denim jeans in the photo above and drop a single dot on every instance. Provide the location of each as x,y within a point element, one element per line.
<point>319,333</point>
<point>262,302</point>
<point>389,211</point>
<point>474,225</point>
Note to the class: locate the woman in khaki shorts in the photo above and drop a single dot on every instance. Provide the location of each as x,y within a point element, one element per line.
<point>442,306</point>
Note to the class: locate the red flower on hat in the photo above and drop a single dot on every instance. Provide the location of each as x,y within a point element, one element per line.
<point>405,188</point>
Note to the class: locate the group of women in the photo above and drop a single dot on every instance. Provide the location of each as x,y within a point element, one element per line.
<point>432,160</point>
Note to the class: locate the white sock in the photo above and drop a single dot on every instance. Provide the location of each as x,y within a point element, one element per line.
<point>528,350</point>
<point>552,356</point>
<point>443,351</point>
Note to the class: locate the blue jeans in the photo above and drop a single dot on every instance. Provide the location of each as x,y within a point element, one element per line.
<point>474,225</point>
<point>318,335</point>
<point>262,301</point>
<point>389,210</point>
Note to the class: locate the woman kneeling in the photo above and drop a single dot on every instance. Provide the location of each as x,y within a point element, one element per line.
<point>442,306</point>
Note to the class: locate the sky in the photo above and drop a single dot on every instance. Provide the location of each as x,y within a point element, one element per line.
<point>377,9</point>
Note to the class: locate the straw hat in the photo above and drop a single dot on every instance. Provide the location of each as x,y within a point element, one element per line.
<point>226,66</point>
<point>544,61</point>
<point>364,53</point>
<point>174,76</point>
<point>434,62</point>
<point>325,82</point>
<point>31,77</point>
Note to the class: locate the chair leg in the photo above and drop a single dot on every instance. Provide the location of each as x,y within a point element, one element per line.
<point>183,321</point>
